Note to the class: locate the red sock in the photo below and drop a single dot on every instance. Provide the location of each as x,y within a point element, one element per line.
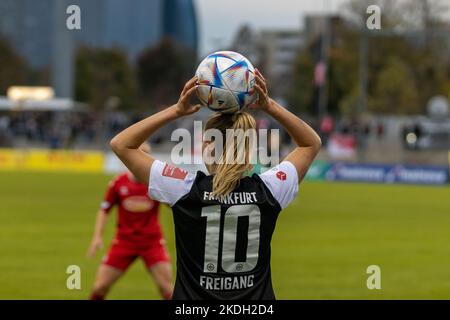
<point>96,297</point>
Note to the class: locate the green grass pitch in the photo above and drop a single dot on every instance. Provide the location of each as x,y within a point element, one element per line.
<point>322,245</point>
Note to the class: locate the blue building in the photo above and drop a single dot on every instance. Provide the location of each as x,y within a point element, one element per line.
<point>180,22</point>
<point>131,25</point>
<point>27,24</point>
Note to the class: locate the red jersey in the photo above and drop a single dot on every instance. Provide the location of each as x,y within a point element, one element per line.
<point>137,215</point>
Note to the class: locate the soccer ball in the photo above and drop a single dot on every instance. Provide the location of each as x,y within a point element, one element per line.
<point>226,82</point>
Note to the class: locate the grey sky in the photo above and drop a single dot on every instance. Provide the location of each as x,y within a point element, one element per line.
<point>220,19</point>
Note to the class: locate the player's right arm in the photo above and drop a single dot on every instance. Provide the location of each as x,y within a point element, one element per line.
<point>307,140</point>
<point>126,144</point>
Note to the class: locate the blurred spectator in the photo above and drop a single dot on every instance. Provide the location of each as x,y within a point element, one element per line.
<point>59,129</point>
<point>326,128</point>
<point>380,130</point>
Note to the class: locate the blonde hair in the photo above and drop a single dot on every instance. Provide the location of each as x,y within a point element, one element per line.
<point>227,175</point>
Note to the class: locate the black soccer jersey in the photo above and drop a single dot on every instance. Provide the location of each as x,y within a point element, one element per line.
<point>223,243</point>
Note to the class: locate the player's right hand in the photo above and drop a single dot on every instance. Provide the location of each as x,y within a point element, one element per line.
<point>183,107</point>
<point>96,244</point>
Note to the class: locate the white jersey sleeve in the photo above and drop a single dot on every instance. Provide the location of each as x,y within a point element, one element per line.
<point>167,183</point>
<point>282,181</point>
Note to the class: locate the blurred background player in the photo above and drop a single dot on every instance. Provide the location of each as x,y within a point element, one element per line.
<point>138,235</point>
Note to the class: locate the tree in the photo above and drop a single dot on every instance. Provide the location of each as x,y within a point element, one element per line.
<point>301,97</point>
<point>407,56</point>
<point>102,74</point>
<point>162,71</point>
<point>395,91</point>
<point>342,70</point>
<point>342,73</point>
<point>407,36</point>
<point>14,70</point>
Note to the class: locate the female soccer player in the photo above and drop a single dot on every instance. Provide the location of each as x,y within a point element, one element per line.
<point>138,235</point>
<point>223,221</point>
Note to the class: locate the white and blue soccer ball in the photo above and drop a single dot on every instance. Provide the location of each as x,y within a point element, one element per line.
<point>226,81</point>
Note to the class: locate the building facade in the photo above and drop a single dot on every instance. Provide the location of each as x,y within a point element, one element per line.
<point>274,52</point>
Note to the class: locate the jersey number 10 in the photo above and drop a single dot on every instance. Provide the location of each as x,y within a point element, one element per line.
<point>212,214</point>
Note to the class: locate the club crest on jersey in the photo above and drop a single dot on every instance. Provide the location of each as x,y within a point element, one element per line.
<point>174,172</point>
<point>281,175</point>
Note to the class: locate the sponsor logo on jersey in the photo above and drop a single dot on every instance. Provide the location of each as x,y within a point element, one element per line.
<point>138,204</point>
<point>174,172</point>
<point>281,175</point>
<point>123,190</point>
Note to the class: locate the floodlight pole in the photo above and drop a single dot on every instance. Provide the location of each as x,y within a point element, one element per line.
<point>322,102</point>
<point>363,70</point>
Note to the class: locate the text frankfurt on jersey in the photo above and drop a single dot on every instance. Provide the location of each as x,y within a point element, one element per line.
<point>232,197</point>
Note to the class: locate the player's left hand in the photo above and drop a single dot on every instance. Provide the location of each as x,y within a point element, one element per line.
<point>183,107</point>
<point>96,244</point>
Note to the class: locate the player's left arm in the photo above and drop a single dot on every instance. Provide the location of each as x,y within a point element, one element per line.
<point>126,144</point>
<point>109,201</point>
<point>307,140</point>
<point>97,239</point>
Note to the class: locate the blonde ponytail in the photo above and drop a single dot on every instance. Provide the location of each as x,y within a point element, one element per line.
<point>227,175</point>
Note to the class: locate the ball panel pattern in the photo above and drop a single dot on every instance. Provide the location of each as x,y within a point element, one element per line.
<point>226,81</point>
